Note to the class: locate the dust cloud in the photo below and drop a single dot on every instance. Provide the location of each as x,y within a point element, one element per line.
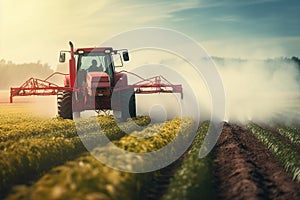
<point>39,106</point>
<point>44,106</point>
<point>266,91</point>
<point>261,90</point>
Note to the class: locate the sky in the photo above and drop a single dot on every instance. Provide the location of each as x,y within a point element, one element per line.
<point>32,30</point>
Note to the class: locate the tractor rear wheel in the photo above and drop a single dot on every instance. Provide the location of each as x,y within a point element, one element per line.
<point>64,104</point>
<point>128,105</point>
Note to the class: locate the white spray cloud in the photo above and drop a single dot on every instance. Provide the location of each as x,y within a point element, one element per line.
<point>257,90</point>
<point>260,90</point>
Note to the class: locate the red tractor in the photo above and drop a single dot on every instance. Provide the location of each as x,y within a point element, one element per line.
<point>93,84</point>
<point>92,80</point>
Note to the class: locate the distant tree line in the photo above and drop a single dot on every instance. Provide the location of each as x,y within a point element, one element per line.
<point>13,75</point>
<point>275,61</point>
<point>296,60</point>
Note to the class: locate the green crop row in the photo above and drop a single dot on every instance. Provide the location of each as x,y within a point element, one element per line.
<point>292,133</point>
<point>193,179</point>
<point>27,158</point>
<point>9,117</point>
<point>88,178</point>
<point>84,178</point>
<point>24,158</point>
<point>287,155</point>
<point>32,127</point>
<point>162,140</point>
<point>39,128</point>
<point>155,137</point>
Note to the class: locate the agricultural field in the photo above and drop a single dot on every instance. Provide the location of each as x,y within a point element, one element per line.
<point>44,158</point>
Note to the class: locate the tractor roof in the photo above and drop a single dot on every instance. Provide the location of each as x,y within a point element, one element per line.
<point>95,49</point>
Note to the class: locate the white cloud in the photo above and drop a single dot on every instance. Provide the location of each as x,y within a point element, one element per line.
<point>226,19</point>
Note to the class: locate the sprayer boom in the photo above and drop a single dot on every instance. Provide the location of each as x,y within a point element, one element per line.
<point>93,83</point>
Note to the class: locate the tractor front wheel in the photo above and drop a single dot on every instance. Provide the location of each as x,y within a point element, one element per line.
<point>64,104</point>
<point>128,104</point>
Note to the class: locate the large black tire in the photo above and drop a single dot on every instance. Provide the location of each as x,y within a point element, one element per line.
<point>64,104</point>
<point>128,105</point>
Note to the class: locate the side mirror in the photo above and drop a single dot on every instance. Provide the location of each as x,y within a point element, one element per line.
<point>62,57</point>
<point>125,56</point>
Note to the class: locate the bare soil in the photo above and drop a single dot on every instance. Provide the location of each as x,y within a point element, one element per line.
<point>244,168</point>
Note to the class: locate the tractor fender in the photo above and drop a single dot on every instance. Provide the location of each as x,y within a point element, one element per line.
<point>121,79</point>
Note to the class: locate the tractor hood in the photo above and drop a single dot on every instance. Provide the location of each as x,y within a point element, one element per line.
<point>97,80</point>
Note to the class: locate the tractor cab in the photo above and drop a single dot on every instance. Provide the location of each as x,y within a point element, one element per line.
<point>105,58</point>
<point>94,63</point>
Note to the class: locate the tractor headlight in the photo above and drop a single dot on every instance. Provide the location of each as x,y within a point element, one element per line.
<point>107,51</point>
<point>80,52</point>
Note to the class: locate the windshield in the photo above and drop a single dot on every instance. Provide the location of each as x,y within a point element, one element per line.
<point>85,61</point>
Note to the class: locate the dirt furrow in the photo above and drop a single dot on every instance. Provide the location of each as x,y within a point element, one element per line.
<point>245,169</point>
<point>160,182</point>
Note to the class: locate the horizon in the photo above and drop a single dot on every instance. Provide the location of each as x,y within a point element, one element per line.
<point>212,57</point>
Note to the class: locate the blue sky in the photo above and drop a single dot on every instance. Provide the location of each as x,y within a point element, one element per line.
<point>272,18</point>
<point>34,30</point>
